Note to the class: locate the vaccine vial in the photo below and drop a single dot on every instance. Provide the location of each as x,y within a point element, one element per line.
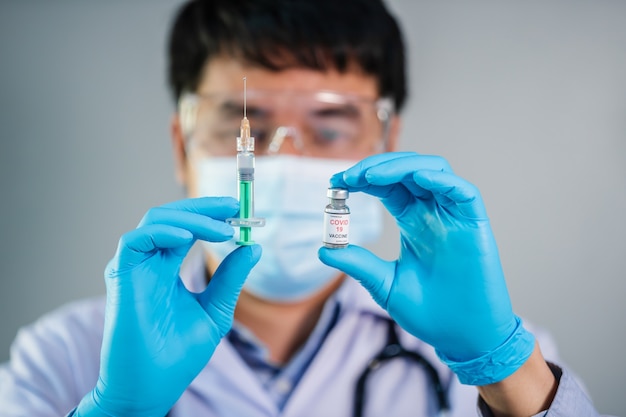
<point>336,219</point>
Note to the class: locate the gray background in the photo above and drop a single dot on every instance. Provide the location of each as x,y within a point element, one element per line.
<point>526,99</point>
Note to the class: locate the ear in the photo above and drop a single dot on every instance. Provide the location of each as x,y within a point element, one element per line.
<point>394,134</point>
<point>178,148</point>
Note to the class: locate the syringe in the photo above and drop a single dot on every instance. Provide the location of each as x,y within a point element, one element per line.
<point>245,181</point>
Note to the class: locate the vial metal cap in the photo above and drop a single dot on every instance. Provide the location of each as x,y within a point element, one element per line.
<point>337,193</point>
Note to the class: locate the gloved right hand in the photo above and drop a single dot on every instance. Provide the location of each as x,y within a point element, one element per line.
<point>447,286</point>
<point>158,335</point>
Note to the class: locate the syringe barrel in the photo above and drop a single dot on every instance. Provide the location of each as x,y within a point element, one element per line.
<point>245,177</point>
<point>245,166</point>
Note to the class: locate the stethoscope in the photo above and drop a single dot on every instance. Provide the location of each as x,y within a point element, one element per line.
<point>393,349</point>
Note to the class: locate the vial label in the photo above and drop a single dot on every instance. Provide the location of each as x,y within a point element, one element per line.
<point>336,228</point>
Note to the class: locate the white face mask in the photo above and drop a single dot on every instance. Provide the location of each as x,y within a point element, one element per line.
<point>290,193</point>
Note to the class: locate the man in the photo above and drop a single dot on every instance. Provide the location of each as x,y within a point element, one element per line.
<point>325,84</point>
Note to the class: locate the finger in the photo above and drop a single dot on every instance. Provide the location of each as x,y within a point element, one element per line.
<point>453,192</point>
<point>400,171</point>
<point>375,274</point>
<point>200,225</point>
<point>352,177</point>
<point>337,181</point>
<point>390,178</point>
<point>219,208</point>
<point>393,180</point>
<point>221,295</point>
<point>149,238</point>
<point>354,180</point>
<point>395,197</point>
<point>137,245</point>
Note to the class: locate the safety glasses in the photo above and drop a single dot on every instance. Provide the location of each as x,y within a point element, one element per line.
<point>319,124</point>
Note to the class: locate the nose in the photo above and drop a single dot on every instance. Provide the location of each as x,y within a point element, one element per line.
<point>285,141</point>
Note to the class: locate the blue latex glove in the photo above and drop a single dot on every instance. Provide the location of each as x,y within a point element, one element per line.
<point>157,335</point>
<point>447,286</point>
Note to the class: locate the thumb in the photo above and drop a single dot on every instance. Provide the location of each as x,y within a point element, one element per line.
<point>375,274</point>
<point>221,295</point>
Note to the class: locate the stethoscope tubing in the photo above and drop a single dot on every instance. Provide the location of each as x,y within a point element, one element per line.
<point>394,349</point>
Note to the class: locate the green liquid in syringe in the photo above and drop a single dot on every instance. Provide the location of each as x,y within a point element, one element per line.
<point>245,211</point>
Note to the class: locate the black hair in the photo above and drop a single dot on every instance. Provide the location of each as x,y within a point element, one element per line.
<point>281,34</point>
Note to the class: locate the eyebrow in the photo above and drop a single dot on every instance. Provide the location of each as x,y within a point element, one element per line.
<point>231,109</point>
<point>347,110</point>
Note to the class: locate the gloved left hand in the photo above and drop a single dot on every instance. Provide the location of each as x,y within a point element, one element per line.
<point>158,335</point>
<point>447,286</point>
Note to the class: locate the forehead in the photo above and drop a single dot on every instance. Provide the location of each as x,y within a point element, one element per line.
<point>225,74</point>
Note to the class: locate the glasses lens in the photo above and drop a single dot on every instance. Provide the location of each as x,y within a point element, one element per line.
<point>322,124</point>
